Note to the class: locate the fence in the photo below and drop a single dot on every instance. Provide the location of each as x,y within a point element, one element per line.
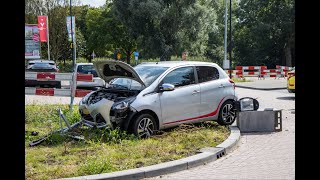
<point>259,71</point>
<point>71,92</point>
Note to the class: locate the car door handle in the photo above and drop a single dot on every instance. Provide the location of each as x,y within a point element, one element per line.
<point>195,92</point>
<point>221,86</point>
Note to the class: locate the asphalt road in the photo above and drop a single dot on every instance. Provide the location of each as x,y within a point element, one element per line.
<point>260,155</point>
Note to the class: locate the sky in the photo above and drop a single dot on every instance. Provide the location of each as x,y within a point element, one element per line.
<point>93,3</point>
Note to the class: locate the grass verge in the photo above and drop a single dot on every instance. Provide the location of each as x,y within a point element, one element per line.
<point>241,80</point>
<point>106,150</point>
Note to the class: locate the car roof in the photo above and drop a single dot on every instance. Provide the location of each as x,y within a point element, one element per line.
<point>176,63</point>
<point>41,61</point>
<point>84,63</point>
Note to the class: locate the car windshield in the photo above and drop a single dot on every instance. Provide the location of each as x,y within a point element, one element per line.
<point>148,75</point>
<point>87,69</point>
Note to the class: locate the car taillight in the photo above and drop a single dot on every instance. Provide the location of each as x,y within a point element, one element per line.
<point>232,82</point>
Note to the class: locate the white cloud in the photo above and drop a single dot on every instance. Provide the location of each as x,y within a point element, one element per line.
<point>93,3</point>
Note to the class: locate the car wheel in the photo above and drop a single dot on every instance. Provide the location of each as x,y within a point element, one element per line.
<point>227,113</point>
<point>144,126</point>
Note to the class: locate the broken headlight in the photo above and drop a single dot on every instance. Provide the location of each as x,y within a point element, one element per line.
<point>84,100</point>
<point>123,105</point>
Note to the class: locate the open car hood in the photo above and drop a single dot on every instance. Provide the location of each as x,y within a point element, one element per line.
<point>111,69</point>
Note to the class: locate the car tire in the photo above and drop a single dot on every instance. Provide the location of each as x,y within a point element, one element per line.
<point>227,113</point>
<point>144,125</point>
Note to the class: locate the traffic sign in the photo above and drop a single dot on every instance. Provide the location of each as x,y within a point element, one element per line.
<point>93,55</point>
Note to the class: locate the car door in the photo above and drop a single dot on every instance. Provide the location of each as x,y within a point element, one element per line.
<point>212,89</point>
<point>182,104</point>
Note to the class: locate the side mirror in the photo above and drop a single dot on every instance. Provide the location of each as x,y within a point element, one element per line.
<point>248,104</point>
<point>166,87</point>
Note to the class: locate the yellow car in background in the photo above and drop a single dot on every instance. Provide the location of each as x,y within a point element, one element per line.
<point>291,81</point>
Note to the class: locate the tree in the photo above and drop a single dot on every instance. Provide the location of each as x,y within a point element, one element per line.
<point>265,32</point>
<point>167,27</point>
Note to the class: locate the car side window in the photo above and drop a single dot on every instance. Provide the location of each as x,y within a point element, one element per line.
<point>207,73</point>
<point>180,77</point>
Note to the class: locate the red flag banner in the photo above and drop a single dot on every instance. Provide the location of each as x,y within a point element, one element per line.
<point>42,25</point>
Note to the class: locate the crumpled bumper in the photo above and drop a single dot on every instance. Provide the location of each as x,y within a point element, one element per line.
<point>96,115</point>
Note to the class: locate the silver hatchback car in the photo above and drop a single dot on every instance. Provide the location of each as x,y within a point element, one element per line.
<point>158,95</point>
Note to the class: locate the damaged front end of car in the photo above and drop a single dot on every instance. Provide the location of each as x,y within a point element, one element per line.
<point>107,108</point>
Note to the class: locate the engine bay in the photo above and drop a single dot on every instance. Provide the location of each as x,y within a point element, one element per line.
<point>114,95</point>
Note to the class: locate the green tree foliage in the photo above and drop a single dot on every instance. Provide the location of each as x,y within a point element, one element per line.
<point>264,34</point>
<point>167,27</point>
<point>107,35</point>
<point>262,30</point>
<point>96,34</point>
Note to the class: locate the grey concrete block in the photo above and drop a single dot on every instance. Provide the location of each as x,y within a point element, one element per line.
<point>164,168</point>
<point>257,121</point>
<point>119,175</point>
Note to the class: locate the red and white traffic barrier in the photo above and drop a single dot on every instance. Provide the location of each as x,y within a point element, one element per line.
<point>55,92</point>
<point>269,73</point>
<point>251,70</point>
<point>283,70</point>
<point>53,76</point>
<point>235,73</point>
<point>260,71</point>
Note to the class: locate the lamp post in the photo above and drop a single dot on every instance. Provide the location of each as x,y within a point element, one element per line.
<point>225,30</point>
<point>72,44</point>
<point>230,45</point>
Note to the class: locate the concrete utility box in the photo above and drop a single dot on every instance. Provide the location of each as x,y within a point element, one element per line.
<point>259,121</point>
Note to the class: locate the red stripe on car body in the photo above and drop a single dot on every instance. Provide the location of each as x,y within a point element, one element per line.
<point>198,117</point>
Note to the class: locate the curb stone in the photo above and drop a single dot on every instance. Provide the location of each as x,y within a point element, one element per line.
<point>266,89</point>
<point>204,156</point>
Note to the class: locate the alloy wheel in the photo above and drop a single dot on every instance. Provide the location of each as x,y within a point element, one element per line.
<point>228,113</point>
<point>145,128</point>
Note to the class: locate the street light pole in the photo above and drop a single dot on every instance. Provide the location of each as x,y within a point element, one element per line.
<point>72,44</point>
<point>225,30</point>
<point>230,45</point>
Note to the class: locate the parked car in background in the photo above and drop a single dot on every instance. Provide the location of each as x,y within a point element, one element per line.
<point>42,66</point>
<point>159,95</point>
<point>88,68</point>
<point>291,81</point>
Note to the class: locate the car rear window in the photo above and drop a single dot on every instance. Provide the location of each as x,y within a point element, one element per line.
<point>87,69</point>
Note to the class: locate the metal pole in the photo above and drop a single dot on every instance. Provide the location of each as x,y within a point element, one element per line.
<point>48,38</point>
<point>72,45</point>
<point>230,45</point>
<point>225,30</point>
<point>73,62</point>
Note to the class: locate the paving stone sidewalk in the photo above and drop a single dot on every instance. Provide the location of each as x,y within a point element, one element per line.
<point>260,155</point>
